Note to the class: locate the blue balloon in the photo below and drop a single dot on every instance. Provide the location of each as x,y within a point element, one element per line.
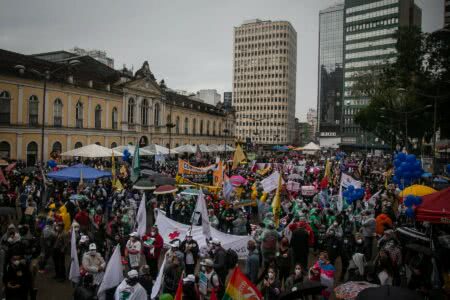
<point>401,156</point>
<point>404,165</point>
<point>397,163</point>
<point>351,188</point>
<point>411,158</point>
<point>417,174</point>
<point>410,212</point>
<point>399,170</point>
<point>396,179</point>
<point>417,165</point>
<point>417,201</point>
<point>409,201</point>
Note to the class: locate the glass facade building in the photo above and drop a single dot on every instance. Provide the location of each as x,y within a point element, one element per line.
<point>330,85</point>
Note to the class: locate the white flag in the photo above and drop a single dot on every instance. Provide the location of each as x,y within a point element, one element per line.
<point>158,282</point>
<point>141,218</point>
<point>74,273</point>
<point>113,274</point>
<point>271,183</point>
<point>202,209</point>
<point>346,181</point>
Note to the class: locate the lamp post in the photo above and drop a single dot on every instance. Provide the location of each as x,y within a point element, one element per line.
<point>45,76</point>
<point>169,126</point>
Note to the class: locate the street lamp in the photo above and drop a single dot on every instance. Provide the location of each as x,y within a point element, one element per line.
<point>45,76</point>
<point>169,126</point>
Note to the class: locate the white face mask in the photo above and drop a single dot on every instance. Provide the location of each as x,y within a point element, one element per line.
<point>298,272</point>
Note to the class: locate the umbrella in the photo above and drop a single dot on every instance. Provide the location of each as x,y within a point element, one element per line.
<point>148,172</point>
<point>351,289</point>
<point>440,180</point>
<point>159,150</point>
<point>144,184</point>
<point>387,292</point>
<point>91,151</point>
<point>299,291</point>
<point>74,173</point>
<point>78,197</point>
<point>213,148</point>
<point>238,180</point>
<point>186,149</point>
<point>417,190</point>
<point>131,149</point>
<point>158,178</point>
<point>3,163</point>
<point>426,175</point>
<point>165,189</point>
<point>190,192</point>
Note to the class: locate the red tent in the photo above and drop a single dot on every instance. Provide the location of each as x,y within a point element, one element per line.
<point>435,208</point>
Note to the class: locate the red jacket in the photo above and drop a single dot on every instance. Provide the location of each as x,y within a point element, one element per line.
<point>157,244</point>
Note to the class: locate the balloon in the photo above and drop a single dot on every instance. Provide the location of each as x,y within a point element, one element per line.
<point>399,170</point>
<point>404,165</point>
<point>396,179</point>
<point>407,175</point>
<point>417,201</point>
<point>417,174</point>
<point>410,212</point>
<point>409,201</point>
<point>397,163</point>
<point>351,188</point>
<point>401,156</point>
<point>411,158</point>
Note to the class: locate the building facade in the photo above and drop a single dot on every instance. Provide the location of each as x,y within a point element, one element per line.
<point>92,103</point>
<point>228,99</point>
<point>330,71</point>
<point>209,96</point>
<point>264,81</point>
<point>369,41</point>
<point>311,119</point>
<point>447,14</point>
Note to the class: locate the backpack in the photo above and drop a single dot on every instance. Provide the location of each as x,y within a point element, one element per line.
<point>231,259</point>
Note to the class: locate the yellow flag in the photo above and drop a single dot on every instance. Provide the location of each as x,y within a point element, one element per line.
<point>238,156</point>
<point>113,167</point>
<point>388,175</point>
<point>276,204</point>
<point>328,168</point>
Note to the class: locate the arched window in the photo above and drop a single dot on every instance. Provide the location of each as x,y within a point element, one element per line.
<point>57,147</point>
<point>194,126</point>
<point>79,115</point>
<point>214,127</point>
<point>5,107</point>
<point>78,145</point>
<point>5,150</point>
<point>207,127</point>
<point>201,127</point>
<point>33,110</point>
<point>98,117</point>
<point>114,118</point>
<point>157,113</point>
<point>186,126</point>
<point>32,152</point>
<point>131,111</point>
<point>177,125</point>
<point>113,145</point>
<point>144,112</point>
<point>57,112</point>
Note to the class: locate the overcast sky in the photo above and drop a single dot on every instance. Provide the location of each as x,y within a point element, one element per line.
<point>189,43</point>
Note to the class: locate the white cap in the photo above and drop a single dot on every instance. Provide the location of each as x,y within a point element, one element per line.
<point>175,244</point>
<point>189,278</point>
<point>92,247</point>
<point>134,234</point>
<point>133,274</point>
<point>84,238</point>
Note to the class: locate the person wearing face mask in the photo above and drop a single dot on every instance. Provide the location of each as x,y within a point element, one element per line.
<point>253,263</point>
<point>130,288</point>
<point>334,242</point>
<point>190,249</point>
<point>94,264</point>
<point>294,279</point>
<point>368,226</point>
<point>172,274</point>
<point>133,250</point>
<point>219,259</point>
<point>324,272</point>
<point>271,287</point>
<point>214,282</point>
<point>284,259</point>
<point>17,279</point>
<point>152,250</point>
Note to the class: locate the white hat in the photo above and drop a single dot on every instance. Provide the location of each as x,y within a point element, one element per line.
<point>175,244</point>
<point>207,262</point>
<point>134,234</point>
<point>133,274</point>
<point>92,247</point>
<point>215,242</point>
<point>189,278</point>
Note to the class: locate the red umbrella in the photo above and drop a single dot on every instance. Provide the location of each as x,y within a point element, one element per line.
<point>165,189</point>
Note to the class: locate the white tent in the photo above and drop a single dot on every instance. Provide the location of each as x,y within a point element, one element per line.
<point>186,149</point>
<point>311,148</point>
<point>204,148</point>
<point>213,148</point>
<point>159,150</point>
<point>92,151</point>
<point>221,148</point>
<point>131,149</point>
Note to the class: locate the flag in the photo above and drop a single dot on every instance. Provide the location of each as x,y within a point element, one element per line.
<point>218,174</point>
<point>213,295</point>
<point>240,287</point>
<point>179,293</point>
<point>141,218</point>
<point>346,181</point>
<point>159,279</point>
<point>198,153</point>
<point>276,204</point>
<point>74,273</point>
<point>227,188</point>
<point>202,209</point>
<point>388,175</point>
<point>113,274</point>
<point>135,165</point>
<point>327,169</point>
<point>238,156</point>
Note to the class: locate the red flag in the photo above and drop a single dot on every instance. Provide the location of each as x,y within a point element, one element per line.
<point>10,167</point>
<point>179,293</point>
<point>213,295</point>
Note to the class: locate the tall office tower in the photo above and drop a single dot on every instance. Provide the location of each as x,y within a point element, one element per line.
<point>447,14</point>
<point>369,40</point>
<point>330,81</point>
<point>264,77</point>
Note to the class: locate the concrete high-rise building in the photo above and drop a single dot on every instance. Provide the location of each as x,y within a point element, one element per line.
<point>209,96</point>
<point>227,99</point>
<point>331,79</point>
<point>264,81</point>
<point>447,14</point>
<point>311,119</point>
<point>369,40</point>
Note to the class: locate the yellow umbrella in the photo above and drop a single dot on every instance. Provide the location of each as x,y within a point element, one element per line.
<point>417,190</point>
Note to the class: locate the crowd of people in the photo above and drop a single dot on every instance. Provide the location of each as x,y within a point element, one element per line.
<point>313,238</point>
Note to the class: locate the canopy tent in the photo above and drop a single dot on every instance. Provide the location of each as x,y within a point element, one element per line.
<point>310,148</point>
<point>186,149</point>
<point>213,148</point>
<point>159,150</point>
<point>204,148</point>
<point>92,151</point>
<point>221,148</point>
<point>435,208</point>
<point>131,149</point>
<point>74,173</point>
<point>417,190</point>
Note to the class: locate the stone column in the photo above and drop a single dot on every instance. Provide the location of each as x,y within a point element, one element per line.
<point>107,125</point>
<point>89,124</point>
<point>69,142</point>
<point>69,111</point>
<point>19,146</point>
<point>46,147</point>
<point>20,106</point>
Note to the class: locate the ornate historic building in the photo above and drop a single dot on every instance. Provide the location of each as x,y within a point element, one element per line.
<point>88,102</point>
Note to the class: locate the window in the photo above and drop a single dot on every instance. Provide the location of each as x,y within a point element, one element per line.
<point>33,110</point>
<point>113,145</point>
<point>131,111</point>
<point>156,116</point>
<point>177,125</point>
<point>57,113</point>
<point>201,127</point>
<point>186,126</point>
<point>194,126</point>
<point>144,112</point>
<point>114,118</point>
<point>5,150</point>
<point>78,145</point>
<point>32,151</point>
<point>98,117</point>
<point>207,127</point>
<point>214,127</point>
<point>5,108</point>
<point>57,147</point>
<point>79,115</point>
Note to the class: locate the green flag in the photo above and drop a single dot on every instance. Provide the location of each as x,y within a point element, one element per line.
<point>135,165</point>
